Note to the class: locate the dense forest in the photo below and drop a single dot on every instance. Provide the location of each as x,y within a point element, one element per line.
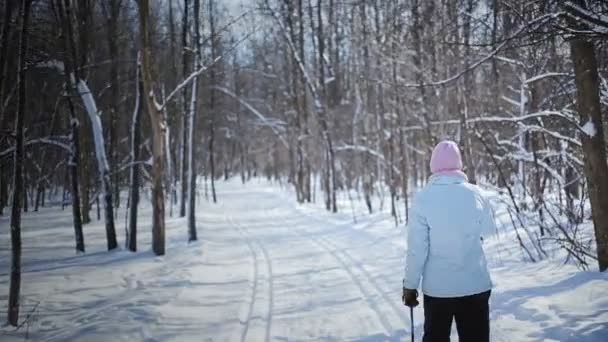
<point>110,97</point>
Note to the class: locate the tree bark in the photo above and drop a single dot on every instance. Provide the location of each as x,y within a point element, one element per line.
<point>594,149</point>
<point>76,80</point>
<point>212,105</point>
<point>4,51</point>
<point>417,36</point>
<point>134,176</point>
<point>112,37</point>
<point>74,160</point>
<point>15,222</point>
<point>185,101</point>
<point>156,120</point>
<point>467,151</point>
<point>296,81</point>
<point>192,236</point>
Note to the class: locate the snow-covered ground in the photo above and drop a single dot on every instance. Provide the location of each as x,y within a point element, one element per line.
<point>267,269</point>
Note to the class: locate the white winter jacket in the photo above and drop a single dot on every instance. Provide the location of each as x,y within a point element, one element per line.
<point>448,218</point>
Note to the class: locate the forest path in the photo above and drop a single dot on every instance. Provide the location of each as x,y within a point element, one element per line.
<point>311,278</point>
<point>269,269</point>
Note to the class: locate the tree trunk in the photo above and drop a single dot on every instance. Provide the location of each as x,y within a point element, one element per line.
<point>15,222</point>
<point>156,120</point>
<point>594,149</point>
<point>192,133</point>
<point>239,125</point>
<point>417,60</point>
<point>185,101</point>
<point>212,161</point>
<point>74,160</point>
<point>131,242</point>
<point>112,38</point>
<point>25,196</point>
<point>467,151</point>
<point>298,161</point>
<point>38,199</point>
<point>4,51</point>
<point>85,201</point>
<point>102,163</point>
<point>212,105</point>
<point>169,171</point>
<point>91,108</point>
<point>3,189</point>
<point>74,163</point>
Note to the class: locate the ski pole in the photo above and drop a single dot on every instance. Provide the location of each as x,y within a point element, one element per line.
<point>412,321</point>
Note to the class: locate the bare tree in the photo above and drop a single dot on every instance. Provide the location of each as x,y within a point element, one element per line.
<point>112,16</point>
<point>131,240</point>
<point>15,224</point>
<point>192,124</point>
<point>185,104</point>
<point>594,146</point>
<point>74,158</point>
<point>156,120</point>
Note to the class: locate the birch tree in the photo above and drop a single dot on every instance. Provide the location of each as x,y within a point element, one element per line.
<point>192,236</point>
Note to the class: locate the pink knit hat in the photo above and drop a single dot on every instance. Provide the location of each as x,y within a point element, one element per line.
<point>446,158</point>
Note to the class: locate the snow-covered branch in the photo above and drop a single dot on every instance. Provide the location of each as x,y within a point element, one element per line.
<point>187,81</point>
<point>133,163</point>
<point>595,21</point>
<point>52,64</point>
<point>545,75</point>
<point>528,26</point>
<point>502,119</point>
<point>198,72</point>
<point>45,141</point>
<point>252,109</point>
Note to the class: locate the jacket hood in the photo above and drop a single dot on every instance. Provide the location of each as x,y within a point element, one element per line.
<point>450,177</point>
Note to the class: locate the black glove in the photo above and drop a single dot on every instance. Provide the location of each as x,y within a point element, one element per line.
<point>410,298</point>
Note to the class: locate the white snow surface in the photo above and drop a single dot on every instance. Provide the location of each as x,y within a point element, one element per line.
<point>268,269</point>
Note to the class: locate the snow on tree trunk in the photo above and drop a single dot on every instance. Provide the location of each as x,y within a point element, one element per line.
<point>156,121</point>
<point>74,166</point>
<point>523,99</point>
<point>102,161</point>
<point>167,138</point>
<point>594,148</point>
<point>192,236</point>
<point>212,105</point>
<point>184,145</point>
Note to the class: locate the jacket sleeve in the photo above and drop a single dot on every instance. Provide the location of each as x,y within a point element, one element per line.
<point>417,247</point>
<point>488,226</point>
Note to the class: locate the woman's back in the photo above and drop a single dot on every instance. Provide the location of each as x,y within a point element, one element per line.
<point>456,216</point>
<point>448,219</point>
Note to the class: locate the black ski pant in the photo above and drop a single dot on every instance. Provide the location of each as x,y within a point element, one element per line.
<point>472,314</point>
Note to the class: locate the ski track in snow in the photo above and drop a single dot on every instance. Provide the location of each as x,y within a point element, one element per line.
<point>251,242</point>
<point>354,262</point>
<point>358,275</point>
<point>368,293</point>
<point>268,269</point>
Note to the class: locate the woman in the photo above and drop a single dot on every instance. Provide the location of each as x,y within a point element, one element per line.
<point>449,216</point>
